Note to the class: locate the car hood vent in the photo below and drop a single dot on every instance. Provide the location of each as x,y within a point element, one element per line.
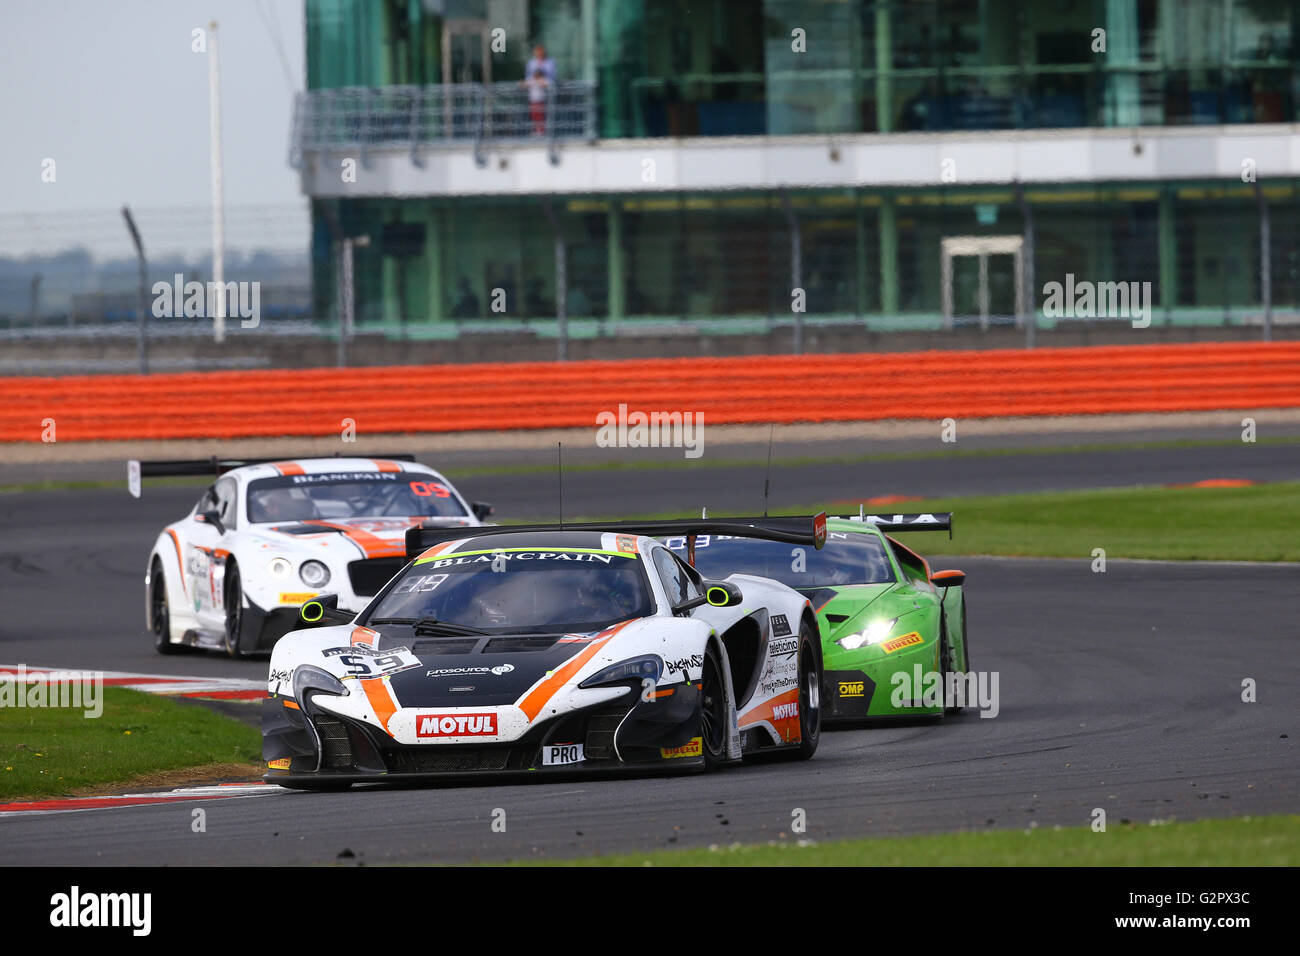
<point>496,677</point>
<point>447,645</point>
<point>517,643</point>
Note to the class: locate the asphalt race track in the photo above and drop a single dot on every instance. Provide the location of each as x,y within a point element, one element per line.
<point>1119,690</point>
<point>80,556</point>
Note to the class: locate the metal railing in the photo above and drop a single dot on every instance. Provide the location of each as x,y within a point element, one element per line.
<point>463,115</point>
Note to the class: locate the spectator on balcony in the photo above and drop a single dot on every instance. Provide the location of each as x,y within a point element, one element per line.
<point>540,61</point>
<point>466,305</point>
<point>576,303</point>
<point>538,90</point>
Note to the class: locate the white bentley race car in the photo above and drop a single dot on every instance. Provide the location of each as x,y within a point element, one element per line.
<point>267,536</point>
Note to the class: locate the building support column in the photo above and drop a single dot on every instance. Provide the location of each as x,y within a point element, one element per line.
<point>617,271</point>
<point>860,258</point>
<point>589,42</point>
<point>888,256</point>
<point>1168,253</point>
<point>1265,262</point>
<point>1026,291</point>
<point>391,274</point>
<point>433,263</point>
<point>884,70</point>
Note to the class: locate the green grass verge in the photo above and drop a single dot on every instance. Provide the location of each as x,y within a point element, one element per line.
<point>47,752</point>
<point>1250,523</point>
<point>1242,841</point>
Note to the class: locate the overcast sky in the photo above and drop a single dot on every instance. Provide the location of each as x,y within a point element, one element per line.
<point>112,92</point>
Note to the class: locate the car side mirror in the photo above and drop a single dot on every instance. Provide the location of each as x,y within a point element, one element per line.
<point>322,611</point>
<point>482,510</point>
<point>948,579</point>
<point>211,517</point>
<point>722,594</point>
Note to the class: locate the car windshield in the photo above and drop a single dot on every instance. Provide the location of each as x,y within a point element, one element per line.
<point>847,558</point>
<point>570,590</point>
<point>350,495</point>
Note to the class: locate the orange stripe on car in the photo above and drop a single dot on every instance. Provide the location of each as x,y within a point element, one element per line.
<point>288,468</point>
<point>537,698</point>
<point>381,699</point>
<point>438,549</point>
<point>384,465</point>
<point>364,635</point>
<point>764,712</point>
<point>372,546</point>
<point>180,563</point>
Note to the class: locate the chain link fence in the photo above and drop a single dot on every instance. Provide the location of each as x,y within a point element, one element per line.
<point>659,268</point>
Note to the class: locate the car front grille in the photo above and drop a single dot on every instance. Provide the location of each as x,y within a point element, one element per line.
<point>601,727</point>
<point>336,746</point>
<point>436,759</point>
<point>370,575</point>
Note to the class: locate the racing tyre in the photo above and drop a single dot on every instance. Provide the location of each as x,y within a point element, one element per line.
<point>160,613</point>
<point>947,663</point>
<point>234,602</point>
<point>713,710</point>
<point>810,704</point>
<point>965,641</point>
<point>810,697</point>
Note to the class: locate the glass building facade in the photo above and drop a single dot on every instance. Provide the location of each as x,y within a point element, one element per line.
<point>820,68</point>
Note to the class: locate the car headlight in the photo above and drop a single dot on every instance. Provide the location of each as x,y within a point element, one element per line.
<point>280,567</point>
<point>649,666</point>
<point>308,678</point>
<point>314,574</point>
<point>873,633</point>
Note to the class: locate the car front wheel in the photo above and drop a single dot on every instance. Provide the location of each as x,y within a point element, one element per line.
<point>713,710</point>
<point>234,602</point>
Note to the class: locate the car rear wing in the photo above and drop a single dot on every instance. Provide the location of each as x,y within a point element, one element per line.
<point>913,521</point>
<point>214,466</point>
<point>803,529</point>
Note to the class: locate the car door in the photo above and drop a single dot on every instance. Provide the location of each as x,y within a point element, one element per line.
<point>201,539</point>
<point>206,561</point>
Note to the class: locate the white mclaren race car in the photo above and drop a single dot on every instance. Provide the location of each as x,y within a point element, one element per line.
<point>553,650</point>
<point>269,535</point>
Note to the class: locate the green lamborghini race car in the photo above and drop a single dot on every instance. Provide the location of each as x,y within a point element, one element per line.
<point>893,632</point>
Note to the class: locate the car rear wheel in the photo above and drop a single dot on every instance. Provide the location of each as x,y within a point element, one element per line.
<point>234,602</point>
<point>160,619</point>
<point>810,705</point>
<point>713,710</point>
<point>965,641</point>
<point>947,664</point>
